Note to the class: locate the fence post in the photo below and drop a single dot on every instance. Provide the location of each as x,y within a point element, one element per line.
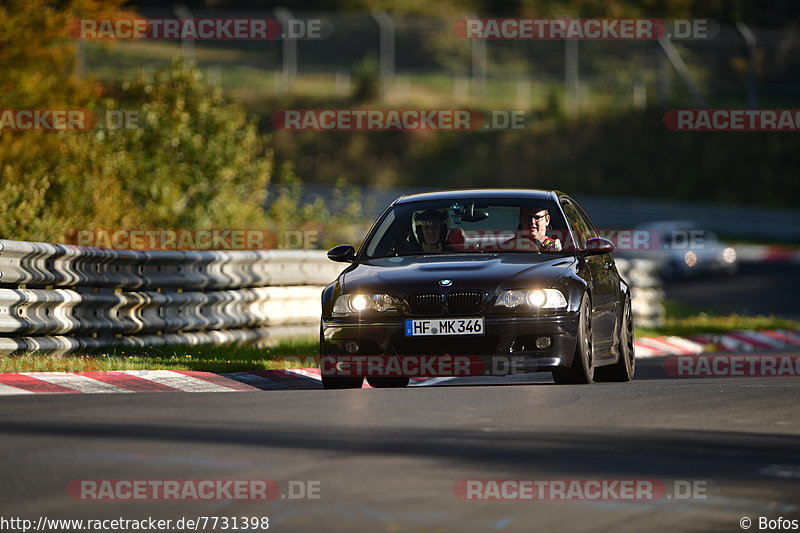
<point>386,27</point>
<point>750,41</point>
<point>479,68</point>
<point>683,71</point>
<point>571,76</point>
<point>187,45</point>
<point>639,93</point>
<point>664,75</point>
<point>342,83</point>
<point>523,93</point>
<point>289,64</point>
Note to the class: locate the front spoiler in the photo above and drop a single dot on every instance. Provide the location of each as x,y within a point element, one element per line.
<point>506,356</point>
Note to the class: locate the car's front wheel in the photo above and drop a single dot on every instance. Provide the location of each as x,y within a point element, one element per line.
<point>581,371</point>
<point>625,368</point>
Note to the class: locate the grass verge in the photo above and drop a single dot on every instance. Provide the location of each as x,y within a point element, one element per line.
<point>683,320</point>
<point>227,358</point>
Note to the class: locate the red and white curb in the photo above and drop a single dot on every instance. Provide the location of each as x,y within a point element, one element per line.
<point>735,341</point>
<point>757,253</point>
<point>127,381</point>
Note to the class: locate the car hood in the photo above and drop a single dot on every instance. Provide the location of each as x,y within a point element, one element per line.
<point>403,274</point>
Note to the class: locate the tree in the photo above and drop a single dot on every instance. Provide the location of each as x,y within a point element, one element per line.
<point>195,161</point>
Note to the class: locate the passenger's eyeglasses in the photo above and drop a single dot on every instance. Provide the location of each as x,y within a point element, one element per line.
<point>536,217</point>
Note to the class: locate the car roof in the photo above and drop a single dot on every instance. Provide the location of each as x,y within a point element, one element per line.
<point>461,194</point>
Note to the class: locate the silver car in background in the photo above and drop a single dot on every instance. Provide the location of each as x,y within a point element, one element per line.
<point>682,249</point>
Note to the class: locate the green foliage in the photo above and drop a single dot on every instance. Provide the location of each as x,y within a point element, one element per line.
<point>686,319</point>
<point>195,161</point>
<point>341,218</point>
<point>204,163</point>
<point>627,154</point>
<point>366,79</point>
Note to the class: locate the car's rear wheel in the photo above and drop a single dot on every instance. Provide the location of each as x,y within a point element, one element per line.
<point>581,371</point>
<point>387,382</point>
<point>625,368</point>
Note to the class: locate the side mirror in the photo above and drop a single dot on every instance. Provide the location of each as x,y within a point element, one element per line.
<point>598,246</point>
<point>344,253</point>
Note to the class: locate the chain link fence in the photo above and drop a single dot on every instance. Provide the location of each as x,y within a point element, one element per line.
<point>405,59</point>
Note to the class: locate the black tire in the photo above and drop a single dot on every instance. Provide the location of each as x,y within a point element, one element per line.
<point>624,369</point>
<point>581,371</point>
<point>387,382</point>
<point>341,382</point>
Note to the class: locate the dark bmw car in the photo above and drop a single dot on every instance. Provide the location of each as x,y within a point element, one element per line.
<point>516,280</point>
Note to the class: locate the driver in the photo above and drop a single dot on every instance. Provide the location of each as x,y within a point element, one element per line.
<point>431,226</point>
<point>533,224</point>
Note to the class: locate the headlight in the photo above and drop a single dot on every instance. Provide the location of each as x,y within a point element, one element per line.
<point>356,303</point>
<point>729,255</point>
<point>538,298</point>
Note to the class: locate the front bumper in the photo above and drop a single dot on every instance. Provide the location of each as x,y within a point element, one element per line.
<point>506,347</point>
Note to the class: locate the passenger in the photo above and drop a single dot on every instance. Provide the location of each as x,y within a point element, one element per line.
<point>533,224</point>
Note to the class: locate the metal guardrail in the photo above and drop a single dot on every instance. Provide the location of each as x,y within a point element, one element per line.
<point>61,298</point>
<point>647,294</point>
<point>62,265</point>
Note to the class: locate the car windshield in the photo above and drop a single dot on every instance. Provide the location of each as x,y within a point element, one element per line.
<point>466,226</point>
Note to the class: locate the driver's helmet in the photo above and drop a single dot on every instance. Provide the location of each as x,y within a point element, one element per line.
<point>430,216</point>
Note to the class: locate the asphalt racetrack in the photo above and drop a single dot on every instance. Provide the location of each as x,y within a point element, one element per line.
<point>390,459</point>
<point>757,289</point>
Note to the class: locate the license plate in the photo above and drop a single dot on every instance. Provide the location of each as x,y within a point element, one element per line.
<point>444,326</point>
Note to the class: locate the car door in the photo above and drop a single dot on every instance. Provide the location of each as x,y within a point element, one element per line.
<point>604,281</point>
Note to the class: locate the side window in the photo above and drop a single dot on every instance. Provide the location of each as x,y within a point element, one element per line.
<point>580,226</point>
<point>588,223</point>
